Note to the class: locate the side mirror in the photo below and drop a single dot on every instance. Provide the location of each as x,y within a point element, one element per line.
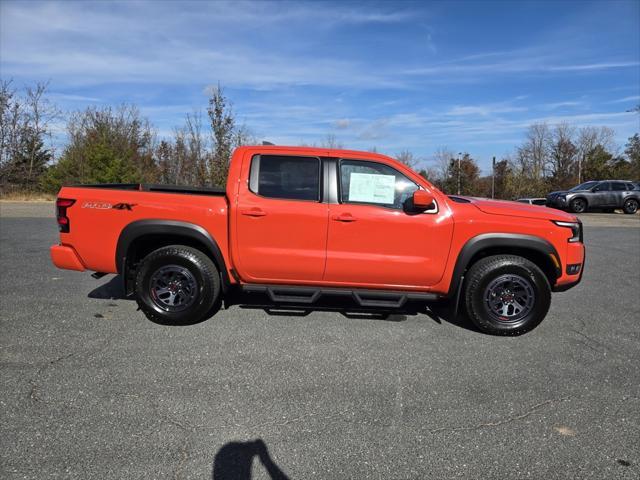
<point>422,200</point>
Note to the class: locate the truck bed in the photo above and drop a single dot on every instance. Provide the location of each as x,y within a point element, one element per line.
<point>152,187</point>
<point>100,213</point>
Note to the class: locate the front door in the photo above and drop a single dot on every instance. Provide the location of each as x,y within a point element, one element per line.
<point>281,224</point>
<point>374,241</point>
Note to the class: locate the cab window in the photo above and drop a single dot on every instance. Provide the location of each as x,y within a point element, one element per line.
<point>372,183</point>
<point>286,177</point>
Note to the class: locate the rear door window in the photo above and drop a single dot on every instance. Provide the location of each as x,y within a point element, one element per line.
<point>603,187</point>
<point>286,177</point>
<point>619,187</point>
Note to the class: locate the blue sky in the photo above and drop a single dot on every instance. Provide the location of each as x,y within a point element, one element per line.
<point>392,75</point>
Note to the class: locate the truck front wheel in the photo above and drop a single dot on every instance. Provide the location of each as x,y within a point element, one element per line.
<point>177,285</point>
<point>506,295</point>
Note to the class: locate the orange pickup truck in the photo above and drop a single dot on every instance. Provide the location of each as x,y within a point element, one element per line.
<point>314,228</point>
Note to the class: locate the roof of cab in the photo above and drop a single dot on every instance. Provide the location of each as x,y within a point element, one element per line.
<point>331,152</point>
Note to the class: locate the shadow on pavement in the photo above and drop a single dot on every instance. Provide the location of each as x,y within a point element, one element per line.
<point>439,313</point>
<point>234,460</point>
<point>114,290</point>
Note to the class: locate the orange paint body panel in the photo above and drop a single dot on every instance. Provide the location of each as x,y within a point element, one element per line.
<point>306,242</point>
<point>66,258</point>
<point>95,226</point>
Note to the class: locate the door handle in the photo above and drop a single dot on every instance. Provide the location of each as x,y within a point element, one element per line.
<point>254,212</point>
<point>344,217</point>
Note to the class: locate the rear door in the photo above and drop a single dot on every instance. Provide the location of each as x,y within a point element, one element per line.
<point>281,224</point>
<point>620,192</point>
<point>602,196</point>
<point>374,240</point>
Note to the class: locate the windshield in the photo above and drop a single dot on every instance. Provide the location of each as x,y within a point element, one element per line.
<point>584,186</point>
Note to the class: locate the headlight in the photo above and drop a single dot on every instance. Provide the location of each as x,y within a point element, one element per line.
<point>576,230</point>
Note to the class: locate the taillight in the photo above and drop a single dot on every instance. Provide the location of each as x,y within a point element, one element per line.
<point>61,213</point>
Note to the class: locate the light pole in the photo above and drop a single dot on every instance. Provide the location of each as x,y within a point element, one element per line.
<point>580,161</point>
<point>459,159</point>
<point>493,177</point>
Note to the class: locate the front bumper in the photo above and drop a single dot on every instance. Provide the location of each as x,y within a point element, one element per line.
<point>557,202</point>
<point>576,255</point>
<point>66,257</point>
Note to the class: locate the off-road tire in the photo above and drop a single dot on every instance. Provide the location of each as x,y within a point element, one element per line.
<point>197,266</point>
<point>479,279</point>
<point>578,205</point>
<point>630,206</point>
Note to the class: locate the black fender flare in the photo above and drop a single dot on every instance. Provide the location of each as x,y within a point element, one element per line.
<point>139,228</point>
<point>496,240</point>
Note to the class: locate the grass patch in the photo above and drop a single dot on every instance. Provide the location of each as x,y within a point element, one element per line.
<point>26,196</point>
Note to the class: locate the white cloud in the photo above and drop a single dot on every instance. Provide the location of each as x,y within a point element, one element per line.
<point>557,105</point>
<point>484,110</point>
<point>632,98</point>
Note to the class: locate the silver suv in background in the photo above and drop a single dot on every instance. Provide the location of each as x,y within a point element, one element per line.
<point>533,201</point>
<point>604,195</point>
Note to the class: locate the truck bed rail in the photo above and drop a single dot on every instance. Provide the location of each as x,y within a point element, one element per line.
<point>150,187</point>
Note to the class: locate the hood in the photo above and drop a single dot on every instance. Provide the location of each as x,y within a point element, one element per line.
<point>556,193</point>
<point>517,209</point>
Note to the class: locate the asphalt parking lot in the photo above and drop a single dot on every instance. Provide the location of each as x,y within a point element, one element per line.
<point>92,389</point>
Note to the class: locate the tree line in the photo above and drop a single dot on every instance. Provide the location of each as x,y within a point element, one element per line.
<point>119,145</point>
<point>111,144</point>
<point>550,158</point>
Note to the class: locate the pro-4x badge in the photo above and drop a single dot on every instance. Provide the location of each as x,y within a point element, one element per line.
<point>124,206</point>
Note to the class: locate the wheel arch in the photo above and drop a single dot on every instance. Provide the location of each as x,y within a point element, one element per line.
<point>580,197</point>
<point>536,249</point>
<point>141,237</point>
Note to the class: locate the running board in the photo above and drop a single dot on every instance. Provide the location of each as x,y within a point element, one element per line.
<point>370,299</point>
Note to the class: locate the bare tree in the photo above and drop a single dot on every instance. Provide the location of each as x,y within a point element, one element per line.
<point>587,140</point>
<point>330,141</point>
<point>408,158</point>
<point>441,159</point>
<point>41,112</point>
<point>533,155</point>
<point>11,121</point>
<point>562,155</point>
<point>197,151</point>
<point>222,129</point>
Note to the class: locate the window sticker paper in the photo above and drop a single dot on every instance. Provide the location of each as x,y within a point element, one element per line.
<point>372,188</point>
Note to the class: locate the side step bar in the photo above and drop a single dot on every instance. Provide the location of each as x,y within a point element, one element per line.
<point>372,299</point>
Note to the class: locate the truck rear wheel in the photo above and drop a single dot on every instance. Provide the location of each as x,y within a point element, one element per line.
<point>506,295</point>
<point>177,285</point>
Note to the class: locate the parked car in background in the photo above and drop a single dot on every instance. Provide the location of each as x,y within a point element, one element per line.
<point>605,195</point>
<point>533,201</point>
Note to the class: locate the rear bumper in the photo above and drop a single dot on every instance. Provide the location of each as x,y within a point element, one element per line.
<point>66,257</point>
